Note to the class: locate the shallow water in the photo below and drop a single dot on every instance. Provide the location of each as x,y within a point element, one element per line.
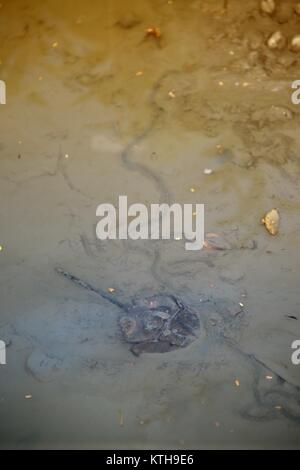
<point>81,126</point>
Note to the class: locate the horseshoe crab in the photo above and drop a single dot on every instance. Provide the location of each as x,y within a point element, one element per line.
<point>156,325</point>
<point>158,328</point>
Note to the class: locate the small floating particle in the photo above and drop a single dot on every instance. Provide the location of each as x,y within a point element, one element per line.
<point>139,73</point>
<point>154,32</point>
<point>55,44</point>
<point>269,377</point>
<point>172,94</point>
<point>241,304</point>
<point>111,290</point>
<point>67,155</point>
<point>208,171</point>
<point>278,407</point>
<point>1,248</point>
<point>28,397</point>
<point>271,221</point>
<point>192,190</point>
<point>40,78</point>
<point>237,383</point>
<point>221,83</point>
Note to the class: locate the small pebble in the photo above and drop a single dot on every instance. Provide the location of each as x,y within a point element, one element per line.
<point>268,6</point>
<point>276,41</point>
<point>271,221</point>
<point>295,43</point>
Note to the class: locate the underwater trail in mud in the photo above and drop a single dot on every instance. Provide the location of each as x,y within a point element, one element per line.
<point>143,170</point>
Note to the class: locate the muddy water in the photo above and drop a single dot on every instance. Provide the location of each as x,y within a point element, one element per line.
<point>90,116</point>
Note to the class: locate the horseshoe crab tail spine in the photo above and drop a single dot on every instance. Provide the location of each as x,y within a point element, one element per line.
<point>177,301</point>
<point>75,280</point>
